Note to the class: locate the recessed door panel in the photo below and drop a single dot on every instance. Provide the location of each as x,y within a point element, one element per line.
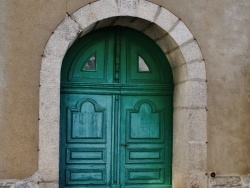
<point>145,124</point>
<point>86,176</point>
<point>86,122</point>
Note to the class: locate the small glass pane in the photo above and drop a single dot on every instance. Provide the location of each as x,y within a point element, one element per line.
<point>142,65</point>
<point>90,64</point>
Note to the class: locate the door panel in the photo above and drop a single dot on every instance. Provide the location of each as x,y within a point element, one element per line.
<point>93,63</point>
<point>90,59</point>
<point>88,145</point>
<point>137,51</point>
<point>145,146</point>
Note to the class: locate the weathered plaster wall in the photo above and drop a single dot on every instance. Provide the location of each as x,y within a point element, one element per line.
<point>222,29</point>
<point>25,27</point>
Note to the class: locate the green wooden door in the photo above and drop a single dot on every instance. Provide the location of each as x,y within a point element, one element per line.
<point>116,112</point>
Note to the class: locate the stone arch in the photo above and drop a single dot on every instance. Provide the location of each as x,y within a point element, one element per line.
<point>185,57</point>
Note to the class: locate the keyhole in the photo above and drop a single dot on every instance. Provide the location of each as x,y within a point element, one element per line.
<point>125,144</point>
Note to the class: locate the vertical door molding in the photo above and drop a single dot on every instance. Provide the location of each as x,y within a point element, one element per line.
<point>190,95</point>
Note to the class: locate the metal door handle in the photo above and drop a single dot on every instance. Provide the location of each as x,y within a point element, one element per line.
<point>125,144</point>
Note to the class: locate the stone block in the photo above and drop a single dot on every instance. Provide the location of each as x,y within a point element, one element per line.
<point>177,179</point>
<point>31,182</point>
<point>166,20</point>
<point>181,33</point>
<point>105,23</point>
<point>180,74</point>
<point>246,180</point>
<point>123,21</point>
<point>155,32</point>
<point>181,168</point>
<point>62,38</point>
<point>190,125</point>
<point>147,10</point>
<point>87,30</point>
<point>50,70</point>
<point>225,181</point>
<point>7,183</point>
<point>180,129</point>
<point>197,157</point>
<point>191,52</point>
<point>49,105</point>
<point>26,185</point>
<point>48,163</point>
<point>104,9</point>
<point>197,94</point>
<point>196,70</point>
<point>197,127</point>
<point>85,16</point>
<point>51,117</point>
<point>128,7</point>
<point>181,97</point>
<point>88,15</point>
<point>176,58</point>
<point>139,24</point>
<point>49,133</point>
<point>196,180</point>
<point>167,44</point>
<point>180,157</point>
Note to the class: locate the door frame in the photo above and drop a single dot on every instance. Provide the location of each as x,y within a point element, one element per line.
<point>190,95</point>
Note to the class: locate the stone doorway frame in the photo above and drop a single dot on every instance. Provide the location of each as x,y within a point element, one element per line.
<point>190,94</point>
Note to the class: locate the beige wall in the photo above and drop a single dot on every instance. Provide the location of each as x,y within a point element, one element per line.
<point>222,29</point>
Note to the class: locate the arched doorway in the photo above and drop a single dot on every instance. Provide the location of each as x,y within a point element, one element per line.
<point>189,72</point>
<point>116,112</point>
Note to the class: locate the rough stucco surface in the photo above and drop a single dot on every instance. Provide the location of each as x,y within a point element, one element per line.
<point>222,29</point>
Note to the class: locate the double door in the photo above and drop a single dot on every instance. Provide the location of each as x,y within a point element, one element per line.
<point>116,125</point>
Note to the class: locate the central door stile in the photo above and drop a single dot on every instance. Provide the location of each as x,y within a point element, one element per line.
<point>116,115</point>
<point>115,141</point>
<point>117,66</point>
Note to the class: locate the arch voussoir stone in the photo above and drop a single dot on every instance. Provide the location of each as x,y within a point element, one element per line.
<point>181,34</point>
<point>190,95</point>
<point>166,20</point>
<point>62,37</point>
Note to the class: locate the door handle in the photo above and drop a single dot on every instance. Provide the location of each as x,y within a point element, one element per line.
<point>125,144</point>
